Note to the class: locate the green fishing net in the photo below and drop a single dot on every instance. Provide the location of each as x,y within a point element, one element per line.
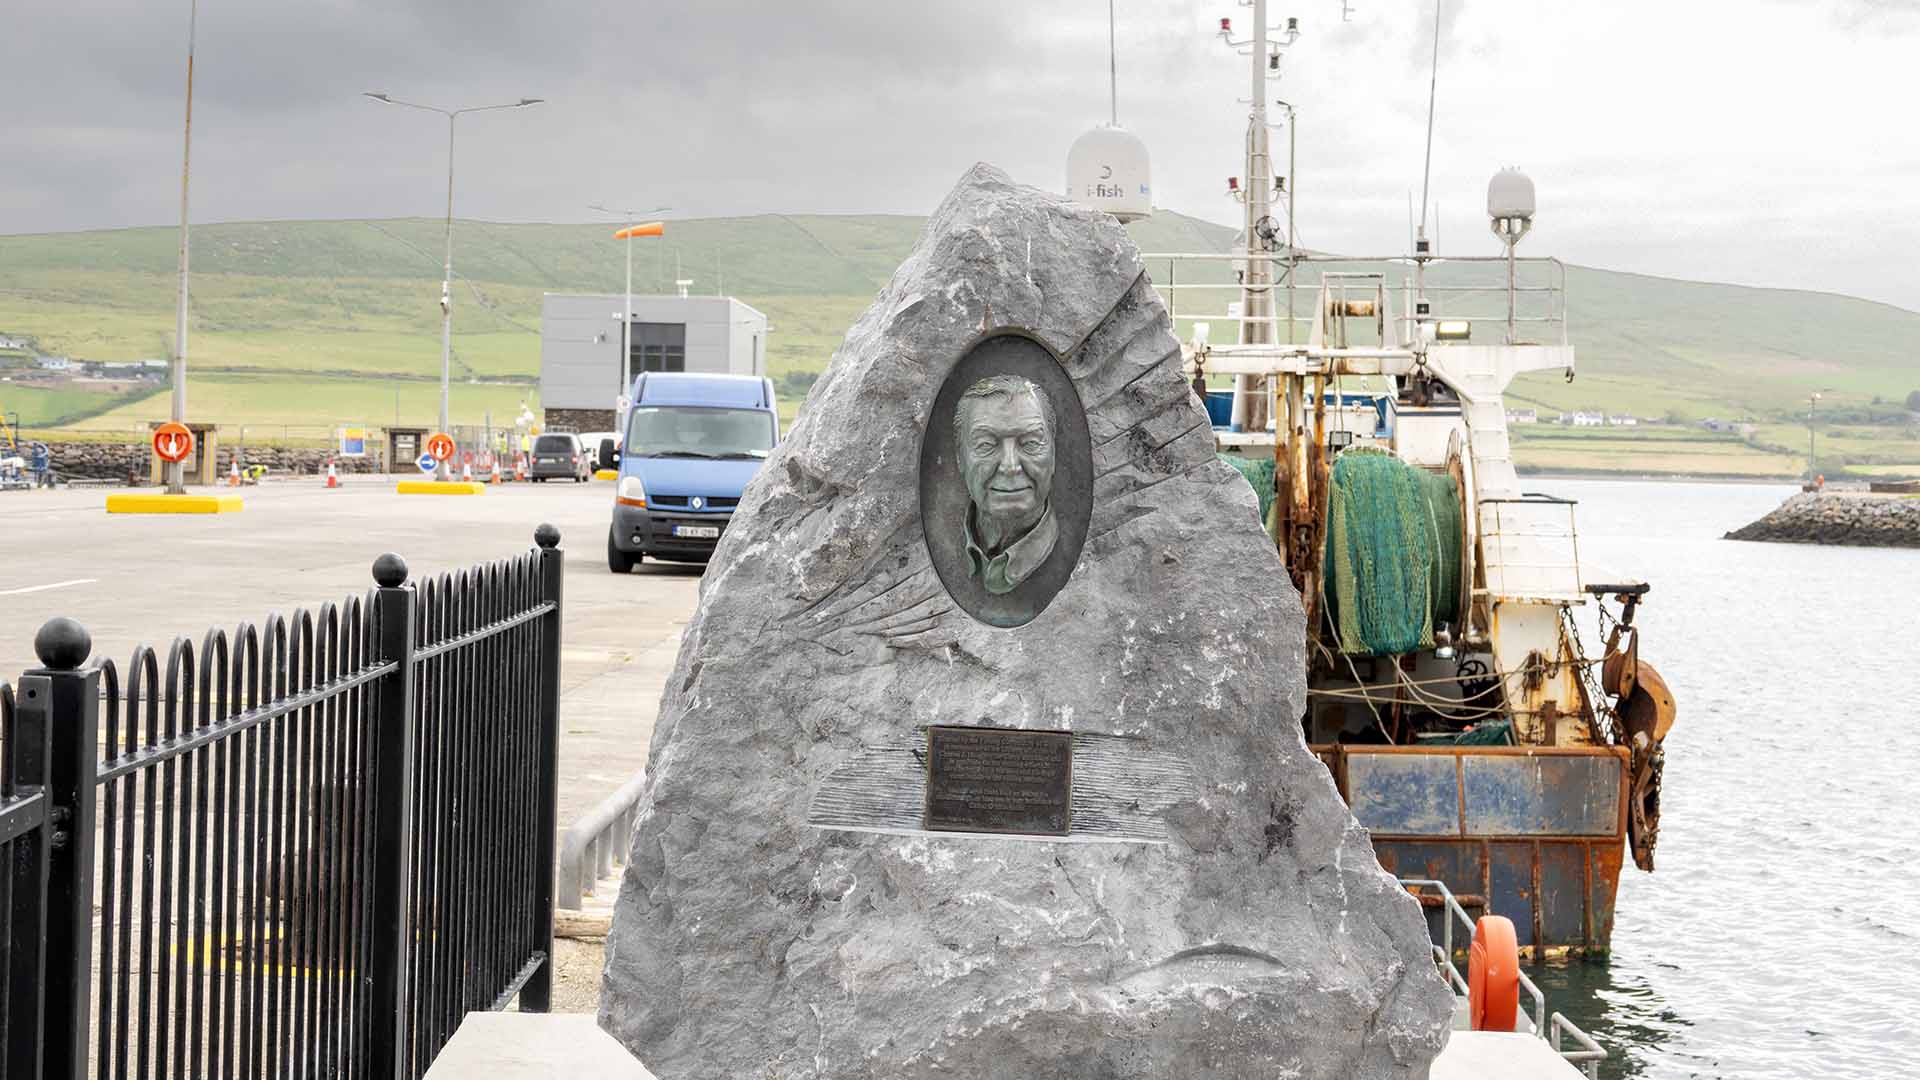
<point>1259,474</point>
<point>1393,552</point>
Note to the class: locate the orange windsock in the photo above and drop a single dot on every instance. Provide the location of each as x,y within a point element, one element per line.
<point>651,228</point>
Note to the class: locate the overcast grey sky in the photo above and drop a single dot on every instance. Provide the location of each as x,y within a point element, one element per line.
<point>1759,141</point>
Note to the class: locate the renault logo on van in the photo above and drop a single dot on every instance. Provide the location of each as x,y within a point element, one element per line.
<point>699,503</point>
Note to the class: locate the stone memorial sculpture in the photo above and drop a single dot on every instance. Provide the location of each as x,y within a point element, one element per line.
<point>982,757</point>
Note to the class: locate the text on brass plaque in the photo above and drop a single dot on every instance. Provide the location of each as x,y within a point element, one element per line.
<point>998,780</point>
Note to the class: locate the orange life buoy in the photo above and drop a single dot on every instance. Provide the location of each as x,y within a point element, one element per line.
<point>1493,975</point>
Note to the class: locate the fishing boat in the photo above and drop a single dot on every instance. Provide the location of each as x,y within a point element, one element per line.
<point>1453,692</point>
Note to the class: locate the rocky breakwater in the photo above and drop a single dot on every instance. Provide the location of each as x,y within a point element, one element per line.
<point>1839,518</point>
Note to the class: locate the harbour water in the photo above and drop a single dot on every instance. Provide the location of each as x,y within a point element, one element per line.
<point>1780,935</point>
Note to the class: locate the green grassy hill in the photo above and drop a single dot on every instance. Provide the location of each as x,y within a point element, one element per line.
<point>299,326</point>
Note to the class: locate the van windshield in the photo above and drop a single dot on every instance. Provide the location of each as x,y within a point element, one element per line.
<point>699,432</point>
<point>553,444</point>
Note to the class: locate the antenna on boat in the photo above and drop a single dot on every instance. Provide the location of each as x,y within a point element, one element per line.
<point>1433,86</point>
<point>1113,71</point>
<point>1107,167</point>
<point>1510,208</point>
<point>1421,248</point>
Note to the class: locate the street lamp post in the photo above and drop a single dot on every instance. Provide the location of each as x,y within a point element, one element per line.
<point>1813,399</point>
<point>626,318</point>
<point>443,472</point>
<point>176,471</point>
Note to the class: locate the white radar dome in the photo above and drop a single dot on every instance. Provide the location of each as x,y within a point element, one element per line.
<point>1510,195</point>
<point>1107,170</point>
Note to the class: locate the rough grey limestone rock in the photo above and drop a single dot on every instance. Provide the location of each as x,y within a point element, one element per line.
<point>1259,938</point>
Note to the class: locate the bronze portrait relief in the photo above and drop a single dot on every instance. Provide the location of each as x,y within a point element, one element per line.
<point>1003,428</point>
<point>1006,480</point>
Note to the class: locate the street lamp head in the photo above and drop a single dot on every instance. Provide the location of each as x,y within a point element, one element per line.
<point>376,97</point>
<point>530,101</point>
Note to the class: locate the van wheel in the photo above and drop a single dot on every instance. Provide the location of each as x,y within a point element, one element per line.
<point>619,561</point>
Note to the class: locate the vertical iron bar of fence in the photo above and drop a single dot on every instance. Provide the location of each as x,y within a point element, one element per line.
<point>72,699</point>
<point>537,995</point>
<point>23,878</point>
<point>393,764</point>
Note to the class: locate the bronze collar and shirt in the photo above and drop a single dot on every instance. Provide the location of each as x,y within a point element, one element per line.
<point>1003,572</point>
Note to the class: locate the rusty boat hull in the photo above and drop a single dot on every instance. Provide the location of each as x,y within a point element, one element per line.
<point>1534,833</point>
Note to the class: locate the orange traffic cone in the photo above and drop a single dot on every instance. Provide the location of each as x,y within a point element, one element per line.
<point>495,462</point>
<point>466,472</point>
<point>520,467</point>
<point>233,472</point>
<point>333,475</point>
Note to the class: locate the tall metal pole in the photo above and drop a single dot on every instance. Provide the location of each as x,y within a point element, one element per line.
<point>626,330</point>
<point>621,374</point>
<point>1293,199</point>
<point>1420,247</point>
<point>445,469</point>
<point>1256,297</point>
<point>176,471</point>
<point>1113,71</point>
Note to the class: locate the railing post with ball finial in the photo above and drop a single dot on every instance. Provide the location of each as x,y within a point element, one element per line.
<point>394,613</point>
<point>61,700</point>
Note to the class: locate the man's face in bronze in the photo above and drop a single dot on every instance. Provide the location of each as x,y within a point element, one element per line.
<point>1007,453</point>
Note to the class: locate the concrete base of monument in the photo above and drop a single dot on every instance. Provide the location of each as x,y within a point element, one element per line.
<point>533,1046</point>
<point>558,1046</point>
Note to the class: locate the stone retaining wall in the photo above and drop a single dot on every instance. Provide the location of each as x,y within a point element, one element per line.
<point>121,461</point>
<point>1835,518</point>
<point>577,420</point>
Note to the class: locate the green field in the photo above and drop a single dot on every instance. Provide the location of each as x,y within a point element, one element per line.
<point>311,324</point>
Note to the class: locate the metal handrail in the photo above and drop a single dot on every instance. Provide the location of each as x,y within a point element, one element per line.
<point>596,842</point>
<point>1590,1054</point>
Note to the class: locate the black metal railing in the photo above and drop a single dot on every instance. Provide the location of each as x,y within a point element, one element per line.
<point>314,844</point>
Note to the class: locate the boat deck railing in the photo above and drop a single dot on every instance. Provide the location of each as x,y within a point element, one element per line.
<point>1529,308</point>
<point>1587,1054</point>
<point>1532,548</point>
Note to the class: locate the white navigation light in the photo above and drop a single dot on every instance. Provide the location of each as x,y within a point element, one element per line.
<point>1510,204</point>
<point>1107,170</point>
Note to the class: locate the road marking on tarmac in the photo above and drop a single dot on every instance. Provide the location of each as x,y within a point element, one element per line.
<point>44,588</point>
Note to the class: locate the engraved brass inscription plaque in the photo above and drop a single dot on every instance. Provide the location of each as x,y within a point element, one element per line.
<point>998,780</point>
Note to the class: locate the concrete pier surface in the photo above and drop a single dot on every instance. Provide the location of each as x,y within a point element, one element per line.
<point>132,579</point>
<point>530,1046</point>
<point>533,1046</point>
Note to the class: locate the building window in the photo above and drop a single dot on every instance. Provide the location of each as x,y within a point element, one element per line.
<point>656,347</point>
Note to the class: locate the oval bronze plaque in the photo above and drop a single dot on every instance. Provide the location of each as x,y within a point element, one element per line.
<point>1006,480</point>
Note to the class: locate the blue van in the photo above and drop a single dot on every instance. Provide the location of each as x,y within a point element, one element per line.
<point>692,443</point>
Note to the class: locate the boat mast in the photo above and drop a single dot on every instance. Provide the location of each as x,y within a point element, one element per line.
<point>1422,249</point>
<point>1256,281</point>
